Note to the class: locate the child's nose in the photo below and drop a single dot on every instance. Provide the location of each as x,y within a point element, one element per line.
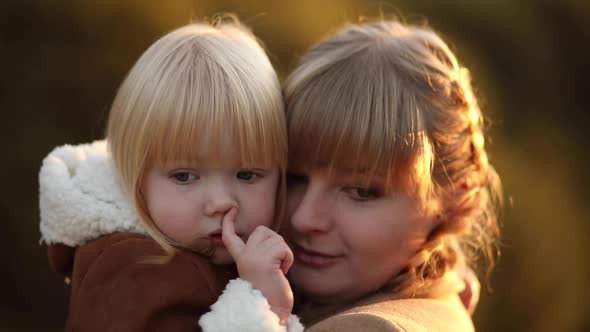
<point>219,200</point>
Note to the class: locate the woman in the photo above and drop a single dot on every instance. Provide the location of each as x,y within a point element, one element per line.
<point>391,194</point>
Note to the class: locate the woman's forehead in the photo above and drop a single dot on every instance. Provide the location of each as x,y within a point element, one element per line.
<point>339,165</point>
<point>391,178</point>
<point>341,174</point>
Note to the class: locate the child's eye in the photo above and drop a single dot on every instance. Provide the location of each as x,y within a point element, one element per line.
<point>294,179</point>
<point>184,177</point>
<point>246,175</point>
<point>363,193</point>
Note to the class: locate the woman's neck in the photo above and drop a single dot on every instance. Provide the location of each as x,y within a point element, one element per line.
<point>312,310</point>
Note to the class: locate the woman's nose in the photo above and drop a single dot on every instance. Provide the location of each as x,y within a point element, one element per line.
<point>312,212</point>
<point>219,199</point>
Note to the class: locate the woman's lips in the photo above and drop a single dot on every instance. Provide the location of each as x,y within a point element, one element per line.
<point>314,258</point>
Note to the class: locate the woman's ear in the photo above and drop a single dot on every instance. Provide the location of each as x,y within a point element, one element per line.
<point>437,220</point>
<point>435,213</point>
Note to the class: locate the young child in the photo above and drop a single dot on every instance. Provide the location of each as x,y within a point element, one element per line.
<point>195,134</point>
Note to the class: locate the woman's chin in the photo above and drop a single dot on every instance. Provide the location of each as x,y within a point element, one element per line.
<point>318,285</point>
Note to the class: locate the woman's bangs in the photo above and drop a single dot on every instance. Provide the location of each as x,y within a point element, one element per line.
<point>336,127</point>
<point>352,151</point>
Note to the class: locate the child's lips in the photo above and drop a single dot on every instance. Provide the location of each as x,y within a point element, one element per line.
<point>215,239</point>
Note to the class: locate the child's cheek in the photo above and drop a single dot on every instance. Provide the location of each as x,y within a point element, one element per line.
<point>173,219</point>
<point>258,209</point>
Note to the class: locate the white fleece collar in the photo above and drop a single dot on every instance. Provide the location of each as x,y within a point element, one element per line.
<point>80,198</point>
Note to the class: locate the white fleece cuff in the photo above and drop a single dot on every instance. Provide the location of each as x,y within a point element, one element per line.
<point>243,308</point>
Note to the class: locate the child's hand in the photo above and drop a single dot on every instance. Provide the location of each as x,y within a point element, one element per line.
<point>263,261</point>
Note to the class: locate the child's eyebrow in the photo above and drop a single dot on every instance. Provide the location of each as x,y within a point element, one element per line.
<point>182,162</point>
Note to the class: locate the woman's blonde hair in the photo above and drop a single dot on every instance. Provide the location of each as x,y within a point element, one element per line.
<point>392,99</point>
<point>199,84</point>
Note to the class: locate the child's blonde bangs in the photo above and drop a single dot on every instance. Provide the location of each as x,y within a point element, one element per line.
<point>203,95</point>
<point>220,115</point>
<point>375,131</point>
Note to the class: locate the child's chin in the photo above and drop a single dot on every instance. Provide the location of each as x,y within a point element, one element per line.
<point>222,257</point>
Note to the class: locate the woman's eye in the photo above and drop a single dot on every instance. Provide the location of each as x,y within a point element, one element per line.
<point>246,175</point>
<point>364,194</point>
<point>184,177</point>
<point>294,179</point>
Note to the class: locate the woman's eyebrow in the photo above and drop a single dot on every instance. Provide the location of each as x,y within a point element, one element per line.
<point>361,170</point>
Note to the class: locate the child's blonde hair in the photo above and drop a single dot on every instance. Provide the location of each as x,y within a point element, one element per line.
<point>198,85</point>
<point>392,99</point>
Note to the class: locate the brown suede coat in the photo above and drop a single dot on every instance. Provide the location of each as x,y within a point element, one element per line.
<point>113,290</point>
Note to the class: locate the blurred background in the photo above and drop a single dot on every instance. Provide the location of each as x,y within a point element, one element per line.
<point>62,61</point>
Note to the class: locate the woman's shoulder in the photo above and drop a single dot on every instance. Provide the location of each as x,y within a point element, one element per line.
<point>440,314</point>
<point>356,321</point>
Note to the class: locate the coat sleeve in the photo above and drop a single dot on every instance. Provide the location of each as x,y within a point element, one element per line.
<point>243,308</point>
<point>118,291</point>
